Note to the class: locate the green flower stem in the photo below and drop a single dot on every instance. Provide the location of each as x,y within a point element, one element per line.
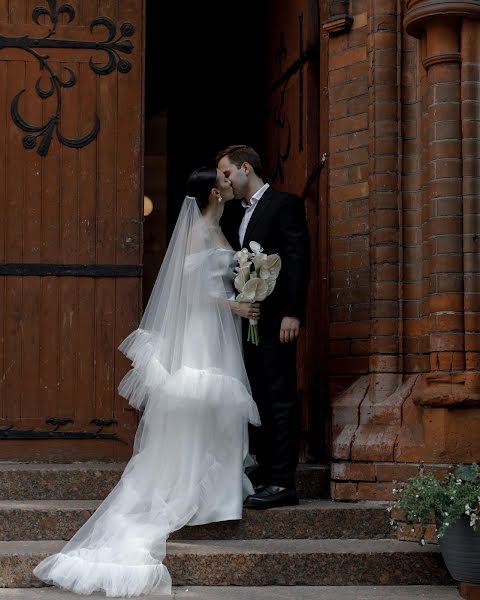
<point>253,334</point>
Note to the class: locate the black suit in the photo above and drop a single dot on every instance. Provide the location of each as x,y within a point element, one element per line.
<point>278,224</point>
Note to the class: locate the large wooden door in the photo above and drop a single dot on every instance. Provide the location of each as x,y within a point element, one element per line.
<point>293,148</point>
<point>71,77</point>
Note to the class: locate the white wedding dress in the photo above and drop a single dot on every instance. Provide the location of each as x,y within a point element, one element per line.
<point>187,468</point>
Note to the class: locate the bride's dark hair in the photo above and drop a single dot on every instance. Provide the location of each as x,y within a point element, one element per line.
<point>200,184</point>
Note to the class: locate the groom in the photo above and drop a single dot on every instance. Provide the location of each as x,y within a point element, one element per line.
<point>276,220</point>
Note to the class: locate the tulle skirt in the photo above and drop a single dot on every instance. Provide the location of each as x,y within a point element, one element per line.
<point>187,468</point>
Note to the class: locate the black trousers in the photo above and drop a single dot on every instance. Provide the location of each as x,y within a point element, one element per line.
<point>271,369</point>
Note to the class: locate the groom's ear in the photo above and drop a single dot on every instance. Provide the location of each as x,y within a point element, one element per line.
<point>246,167</point>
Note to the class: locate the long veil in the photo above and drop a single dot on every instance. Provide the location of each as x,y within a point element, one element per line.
<point>189,379</point>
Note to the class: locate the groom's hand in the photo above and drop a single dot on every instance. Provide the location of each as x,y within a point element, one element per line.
<point>289,329</point>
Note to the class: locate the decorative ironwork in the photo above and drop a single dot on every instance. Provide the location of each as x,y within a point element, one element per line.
<point>56,270</point>
<point>53,13</point>
<point>14,433</point>
<point>58,422</point>
<point>114,46</point>
<point>101,423</point>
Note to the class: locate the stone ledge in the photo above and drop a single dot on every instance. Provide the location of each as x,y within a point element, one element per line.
<point>314,519</point>
<point>93,481</point>
<point>265,562</point>
<point>415,592</point>
<point>338,24</point>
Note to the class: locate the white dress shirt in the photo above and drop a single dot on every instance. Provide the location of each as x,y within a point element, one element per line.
<point>249,211</point>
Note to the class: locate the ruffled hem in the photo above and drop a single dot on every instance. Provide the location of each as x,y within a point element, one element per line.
<point>85,576</point>
<point>147,372</point>
<point>150,379</point>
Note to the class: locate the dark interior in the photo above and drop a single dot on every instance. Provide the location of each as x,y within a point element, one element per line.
<point>205,88</point>
<point>205,68</point>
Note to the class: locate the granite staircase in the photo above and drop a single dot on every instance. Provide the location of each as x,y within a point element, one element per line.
<point>319,543</point>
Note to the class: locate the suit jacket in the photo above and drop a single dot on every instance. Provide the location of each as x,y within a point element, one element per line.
<point>279,225</point>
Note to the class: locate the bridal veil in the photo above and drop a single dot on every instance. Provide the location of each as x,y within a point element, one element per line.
<point>188,379</point>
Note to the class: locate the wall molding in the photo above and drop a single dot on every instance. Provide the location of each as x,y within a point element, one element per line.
<point>437,59</point>
<point>421,11</point>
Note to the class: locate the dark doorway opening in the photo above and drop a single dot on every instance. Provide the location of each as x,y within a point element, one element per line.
<point>205,87</point>
<point>220,73</point>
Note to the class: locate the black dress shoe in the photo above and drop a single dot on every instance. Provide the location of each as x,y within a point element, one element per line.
<point>272,496</point>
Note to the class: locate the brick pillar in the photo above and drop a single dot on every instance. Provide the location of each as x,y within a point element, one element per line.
<point>442,229</point>
<point>447,396</point>
<point>379,418</point>
<point>367,416</point>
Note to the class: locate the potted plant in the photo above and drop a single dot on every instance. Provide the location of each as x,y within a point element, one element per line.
<point>454,502</point>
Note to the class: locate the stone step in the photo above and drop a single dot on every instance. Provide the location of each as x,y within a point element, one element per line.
<point>93,481</point>
<point>411,592</point>
<point>315,519</point>
<point>265,562</point>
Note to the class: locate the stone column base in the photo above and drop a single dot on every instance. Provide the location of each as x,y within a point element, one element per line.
<point>430,419</point>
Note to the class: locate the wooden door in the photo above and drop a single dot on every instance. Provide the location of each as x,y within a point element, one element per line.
<point>293,147</point>
<point>71,77</point>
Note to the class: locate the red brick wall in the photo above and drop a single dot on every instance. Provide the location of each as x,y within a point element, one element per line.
<point>364,209</point>
<point>348,203</point>
<point>404,235</point>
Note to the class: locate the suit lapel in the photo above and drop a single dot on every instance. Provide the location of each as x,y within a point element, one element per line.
<point>256,217</point>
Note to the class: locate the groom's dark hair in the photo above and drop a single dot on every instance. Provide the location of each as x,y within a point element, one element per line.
<point>239,154</point>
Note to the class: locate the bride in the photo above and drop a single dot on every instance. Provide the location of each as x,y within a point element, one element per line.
<point>189,379</point>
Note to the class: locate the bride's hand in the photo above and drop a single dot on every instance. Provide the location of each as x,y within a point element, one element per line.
<point>247,310</point>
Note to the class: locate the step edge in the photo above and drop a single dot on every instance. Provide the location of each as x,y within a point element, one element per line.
<point>255,546</point>
<point>306,505</point>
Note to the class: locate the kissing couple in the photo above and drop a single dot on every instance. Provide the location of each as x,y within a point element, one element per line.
<point>201,386</point>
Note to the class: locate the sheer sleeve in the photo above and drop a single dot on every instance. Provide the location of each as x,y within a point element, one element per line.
<point>188,320</point>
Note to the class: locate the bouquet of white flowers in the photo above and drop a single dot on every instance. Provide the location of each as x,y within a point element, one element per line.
<point>256,278</point>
